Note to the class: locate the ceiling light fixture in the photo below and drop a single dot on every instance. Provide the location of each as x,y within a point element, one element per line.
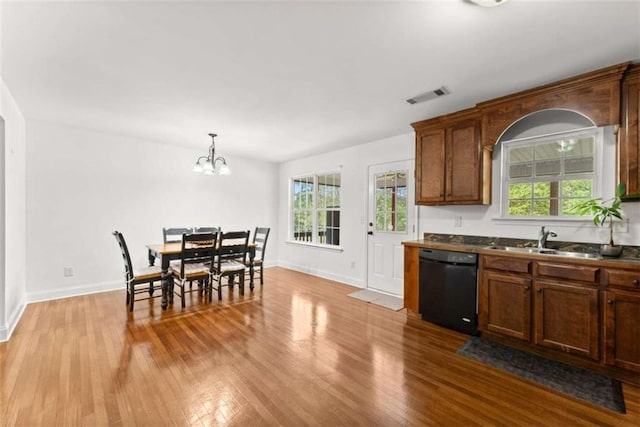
<point>488,3</point>
<point>207,164</point>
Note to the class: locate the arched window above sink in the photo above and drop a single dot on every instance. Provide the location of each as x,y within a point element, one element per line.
<point>551,161</point>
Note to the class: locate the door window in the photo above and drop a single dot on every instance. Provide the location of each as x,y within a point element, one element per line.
<point>391,202</point>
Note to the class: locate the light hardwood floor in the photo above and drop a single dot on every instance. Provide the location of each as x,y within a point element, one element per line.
<point>297,351</point>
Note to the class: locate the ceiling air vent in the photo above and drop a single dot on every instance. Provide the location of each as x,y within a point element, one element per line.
<point>442,91</point>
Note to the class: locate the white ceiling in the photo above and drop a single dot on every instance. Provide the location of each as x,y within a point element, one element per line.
<point>282,80</point>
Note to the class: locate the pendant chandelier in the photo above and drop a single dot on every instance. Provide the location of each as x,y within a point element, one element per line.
<point>210,164</point>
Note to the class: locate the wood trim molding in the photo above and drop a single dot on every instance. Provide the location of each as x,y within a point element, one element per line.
<point>595,94</point>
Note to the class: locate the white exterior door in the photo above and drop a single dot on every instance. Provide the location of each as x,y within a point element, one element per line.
<point>391,221</point>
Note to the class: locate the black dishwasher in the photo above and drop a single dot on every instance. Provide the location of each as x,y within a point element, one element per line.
<point>448,289</point>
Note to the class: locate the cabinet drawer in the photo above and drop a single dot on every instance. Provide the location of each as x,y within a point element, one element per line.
<point>572,272</point>
<point>625,278</point>
<point>515,265</point>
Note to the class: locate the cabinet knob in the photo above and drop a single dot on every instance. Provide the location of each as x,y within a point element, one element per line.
<point>636,282</point>
<point>526,288</point>
<point>609,301</point>
<point>539,290</point>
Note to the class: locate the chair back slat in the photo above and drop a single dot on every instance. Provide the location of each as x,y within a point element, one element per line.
<point>197,247</point>
<point>233,246</point>
<point>260,237</point>
<point>206,229</point>
<point>174,234</point>
<point>128,267</point>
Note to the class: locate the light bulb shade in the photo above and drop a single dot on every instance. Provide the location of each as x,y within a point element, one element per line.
<point>224,169</point>
<point>208,166</point>
<point>208,172</point>
<point>198,167</point>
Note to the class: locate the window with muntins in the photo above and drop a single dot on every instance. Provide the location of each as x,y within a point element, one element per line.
<point>547,177</point>
<point>315,209</point>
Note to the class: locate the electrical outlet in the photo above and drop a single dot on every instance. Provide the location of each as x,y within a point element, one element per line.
<point>457,221</point>
<point>353,264</point>
<point>68,271</point>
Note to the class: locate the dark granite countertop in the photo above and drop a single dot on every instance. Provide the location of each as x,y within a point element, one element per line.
<point>480,244</point>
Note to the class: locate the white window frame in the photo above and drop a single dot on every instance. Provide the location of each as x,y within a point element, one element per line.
<point>314,210</point>
<point>598,135</point>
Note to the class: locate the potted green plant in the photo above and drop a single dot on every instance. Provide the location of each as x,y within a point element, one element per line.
<point>604,212</point>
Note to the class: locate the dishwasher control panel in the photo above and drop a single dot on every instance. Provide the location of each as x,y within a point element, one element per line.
<point>449,256</point>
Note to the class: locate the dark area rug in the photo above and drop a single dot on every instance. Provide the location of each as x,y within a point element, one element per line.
<point>590,386</point>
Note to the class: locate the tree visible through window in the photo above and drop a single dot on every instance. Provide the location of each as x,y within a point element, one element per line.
<point>391,202</point>
<point>315,209</point>
<point>550,176</point>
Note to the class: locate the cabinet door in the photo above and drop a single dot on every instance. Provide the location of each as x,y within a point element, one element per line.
<point>430,163</point>
<point>463,163</point>
<point>622,329</point>
<point>629,144</point>
<point>506,305</point>
<point>566,318</point>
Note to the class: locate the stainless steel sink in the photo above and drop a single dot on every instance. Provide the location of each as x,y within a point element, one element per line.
<point>545,251</point>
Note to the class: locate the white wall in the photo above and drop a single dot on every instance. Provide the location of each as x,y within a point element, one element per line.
<point>12,214</point>
<point>82,185</point>
<point>352,163</point>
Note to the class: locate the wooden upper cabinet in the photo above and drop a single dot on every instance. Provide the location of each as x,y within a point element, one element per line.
<point>463,173</point>
<point>449,160</point>
<point>430,166</point>
<point>629,142</point>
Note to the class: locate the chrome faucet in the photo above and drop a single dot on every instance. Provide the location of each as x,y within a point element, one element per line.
<point>544,235</point>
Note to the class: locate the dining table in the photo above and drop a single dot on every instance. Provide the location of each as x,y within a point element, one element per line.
<point>167,252</point>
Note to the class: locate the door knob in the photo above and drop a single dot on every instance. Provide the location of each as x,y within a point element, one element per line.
<point>370,233</point>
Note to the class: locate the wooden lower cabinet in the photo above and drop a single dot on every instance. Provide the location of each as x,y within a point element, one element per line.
<point>622,329</point>
<point>506,305</point>
<point>566,318</point>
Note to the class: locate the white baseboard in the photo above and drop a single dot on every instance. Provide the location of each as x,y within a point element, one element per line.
<point>92,288</point>
<point>13,319</point>
<point>358,283</point>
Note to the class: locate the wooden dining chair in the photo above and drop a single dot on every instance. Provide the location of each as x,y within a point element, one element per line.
<point>229,261</point>
<point>260,236</point>
<point>174,234</point>
<point>197,246</point>
<point>206,229</point>
<point>134,277</point>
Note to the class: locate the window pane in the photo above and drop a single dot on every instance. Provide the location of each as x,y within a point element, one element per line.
<point>548,167</point>
<point>548,151</point>
<point>519,207</point>
<point>520,170</point>
<point>542,189</point>
<point>542,207</point>
<point>569,206</point>
<point>577,188</point>
<point>520,154</point>
<point>578,165</point>
<point>520,191</point>
<point>401,221</point>
<point>302,226</point>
